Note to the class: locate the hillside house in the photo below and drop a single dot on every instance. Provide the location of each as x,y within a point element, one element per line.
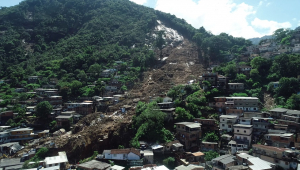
<point>223,162</point>
<point>119,97</point>
<point>33,79</point>
<point>188,134</point>
<point>242,137</point>
<point>122,154</point>
<point>174,146</point>
<point>279,156</point>
<point>248,104</point>
<point>235,112</point>
<point>261,124</point>
<point>275,84</point>
<point>53,81</point>
<point>244,69</point>
<point>245,120</point>
<point>285,49</point>
<point>290,118</point>
<point>227,122</point>
<point>63,120</point>
<point>4,137</point>
<point>236,86</point>
<point>277,112</point>
<point>20,90</point>
<point>61,160</point>
<point>220,103</point>
<point>207,124</point>
<point>253,163</point>
<point>210,77</point>
<point>111,88</point>
<point>21,135</point>
<point>107,73</point>
<point>280,140</point>
<point>209,146</point>
<point>148,156</point>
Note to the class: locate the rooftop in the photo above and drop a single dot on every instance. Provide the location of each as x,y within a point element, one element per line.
<point>225,159</point>
<point>64,116</point>
<point>279,110</point>
<point>162,167</point>
<point>228,116</point>
<point>116,167</point>
<point>243,98</point>
<point>22,129</point>
<point>189,124</point>
<point>270,148</point>
<point>198,154</point>
<point>94,164</point>
<point>125,151</point>
<point>189,167</point>
<point>62,157</point>
<point>259,164</point>
<point>297,112</point>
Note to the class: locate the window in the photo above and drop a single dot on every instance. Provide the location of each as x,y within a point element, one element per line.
<point>229,126</point>
<point>238,130</point>
<point>223,125</point>
<point>244,131</point>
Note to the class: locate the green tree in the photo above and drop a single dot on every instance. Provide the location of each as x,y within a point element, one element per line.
<point>169,162</point>
<point>210,155</point>
<point>211,137</point>
<point>43,109</point>
<point>183,115</point>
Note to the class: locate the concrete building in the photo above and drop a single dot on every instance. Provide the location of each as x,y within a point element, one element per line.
<point>122,154</point>
<point>61,160</point>
<point>261,124</point>
<point>188,134</point>
<point>277,112</point>
<point>280,140</point>
<point>227,122</point>
<point>236,86</point>
<point>283,157</point>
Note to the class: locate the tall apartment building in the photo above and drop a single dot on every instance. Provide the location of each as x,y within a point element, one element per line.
<point>189,134</point>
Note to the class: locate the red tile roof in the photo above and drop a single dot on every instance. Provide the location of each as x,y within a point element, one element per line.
<point>126,151</point>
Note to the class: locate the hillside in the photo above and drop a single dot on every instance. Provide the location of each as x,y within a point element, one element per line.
<point>256,41</point>
<point>74,41</point>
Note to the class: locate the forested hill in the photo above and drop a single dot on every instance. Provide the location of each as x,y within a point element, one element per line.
<point>66,35</point>
<point>67,39</point>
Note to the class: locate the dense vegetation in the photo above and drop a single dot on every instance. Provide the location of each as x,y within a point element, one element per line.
<point>283,69</point>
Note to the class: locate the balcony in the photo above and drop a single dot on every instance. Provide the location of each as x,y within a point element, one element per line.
<point>242,141</point>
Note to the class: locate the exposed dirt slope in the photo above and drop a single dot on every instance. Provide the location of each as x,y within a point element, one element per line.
<point>180,64</point>
<point>98,132</point>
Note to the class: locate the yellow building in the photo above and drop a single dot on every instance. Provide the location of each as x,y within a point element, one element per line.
<point>21,134</point>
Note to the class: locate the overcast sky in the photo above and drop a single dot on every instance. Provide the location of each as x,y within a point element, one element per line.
<point>240,18</point>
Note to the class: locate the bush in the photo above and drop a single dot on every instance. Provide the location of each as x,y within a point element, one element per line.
<point>169,162</point>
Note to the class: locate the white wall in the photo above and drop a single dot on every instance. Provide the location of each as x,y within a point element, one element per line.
<point>132,156</point>
<point>107,156</point>
<point>118,156</point>
<point>243,131</point>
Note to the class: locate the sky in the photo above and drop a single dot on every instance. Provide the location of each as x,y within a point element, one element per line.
<point>240,18</point>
